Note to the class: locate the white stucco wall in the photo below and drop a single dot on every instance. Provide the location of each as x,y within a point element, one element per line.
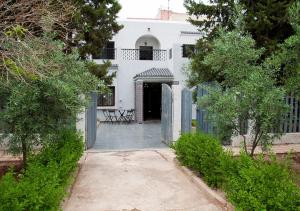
<point>288,138</point>
<point>161,34</point>
<point>81,124</point>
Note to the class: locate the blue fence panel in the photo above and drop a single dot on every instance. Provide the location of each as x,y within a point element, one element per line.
<point>186,111</point>
<point>91,122</point>
<point>290,124</point>
<point>202,124</point>
<point>167,114</point>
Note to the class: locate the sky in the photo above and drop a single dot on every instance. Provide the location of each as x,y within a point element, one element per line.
<point>147,8</point>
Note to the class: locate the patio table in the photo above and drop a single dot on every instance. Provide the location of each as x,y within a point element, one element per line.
<point>122,115</point>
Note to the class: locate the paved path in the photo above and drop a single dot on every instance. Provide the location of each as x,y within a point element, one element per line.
<point>128,136</point>
<point>135,181</point>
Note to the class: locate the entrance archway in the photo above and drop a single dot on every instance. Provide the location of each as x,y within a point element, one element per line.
<point>152,101</point>
<point>148,92</point>
<point>147,40</point>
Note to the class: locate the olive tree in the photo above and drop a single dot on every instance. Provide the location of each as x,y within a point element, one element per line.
<point>40,86</point>
<point>248,92</point>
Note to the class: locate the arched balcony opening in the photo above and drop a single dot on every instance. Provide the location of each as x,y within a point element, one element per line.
<point>147,47</point>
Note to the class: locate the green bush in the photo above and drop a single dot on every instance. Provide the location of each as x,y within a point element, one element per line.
<point>43,184</point>
<point>202,153</point>
<point>194,123</point>
<point>250,184</point>
<point>262,185</point>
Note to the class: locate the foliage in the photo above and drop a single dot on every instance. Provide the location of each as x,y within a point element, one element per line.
<point>38,16</point>
<point>261,185</point>
<point>41,88</point>
<point>194,123</point>
<point>203,154</point>
<point>266,21</point>
<point>208,17</point>
<point>101,71</point>
<point>95,23</point>
<point>247,94</point>
<point>287,57</point>
<point>83,25</point>
<point>249,183</point>
<point>42,186</point>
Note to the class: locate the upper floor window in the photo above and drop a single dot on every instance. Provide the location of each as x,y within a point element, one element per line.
<point>108,52</point>
<point>107,99</point>
<point>188,50</point>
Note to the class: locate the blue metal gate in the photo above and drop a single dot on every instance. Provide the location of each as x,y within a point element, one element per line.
<point>186,111</point>
<point>167,114</point>
<point>202,124</point>
<point>91,121</point>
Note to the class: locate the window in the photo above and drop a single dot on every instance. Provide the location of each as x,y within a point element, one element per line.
<point>108,52</point>
<point>146,53</point>
<point>107,99</point>
<point>188,50</point>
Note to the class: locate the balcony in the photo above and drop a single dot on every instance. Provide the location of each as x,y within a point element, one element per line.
<point>144,54</point>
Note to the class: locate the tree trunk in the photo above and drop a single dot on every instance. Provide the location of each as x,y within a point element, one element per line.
<point>255,141</point>
<point>24,152</point>
<point>245,144</point>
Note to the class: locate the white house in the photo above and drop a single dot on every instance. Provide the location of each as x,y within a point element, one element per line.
<point>145,54</point>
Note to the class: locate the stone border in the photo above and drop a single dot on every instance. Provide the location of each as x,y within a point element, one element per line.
<point>204,187</point>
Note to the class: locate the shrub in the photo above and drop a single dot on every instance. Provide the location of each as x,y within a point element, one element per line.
<point>42,186</point>
<point>202,153</point>
<point>262,185</point>
<point>250,184</point>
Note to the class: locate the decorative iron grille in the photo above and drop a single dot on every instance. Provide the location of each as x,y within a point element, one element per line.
<point>144,54</point>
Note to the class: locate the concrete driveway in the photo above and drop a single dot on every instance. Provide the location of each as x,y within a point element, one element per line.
<point>129,136</point>
<point>146,180</point>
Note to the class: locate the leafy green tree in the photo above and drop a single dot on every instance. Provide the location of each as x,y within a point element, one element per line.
<point>248,92</point>
<point>95,24</point>
<point>210,16</point>
<point>42,78</point>
<point>83,24</point>
<point>41,88</point>
<point>266,21</point>
<point>287,58</point>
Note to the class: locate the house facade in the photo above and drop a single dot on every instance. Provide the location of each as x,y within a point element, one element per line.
<point>145,54</point>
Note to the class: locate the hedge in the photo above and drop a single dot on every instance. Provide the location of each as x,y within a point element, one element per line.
<point>250,184</point>
<point>43,184</point>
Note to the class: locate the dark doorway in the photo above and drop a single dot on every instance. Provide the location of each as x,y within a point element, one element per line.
<point>152,101</point>
<point>146,53</point>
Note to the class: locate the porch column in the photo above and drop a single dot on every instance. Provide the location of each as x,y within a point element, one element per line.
<point>139,95</point>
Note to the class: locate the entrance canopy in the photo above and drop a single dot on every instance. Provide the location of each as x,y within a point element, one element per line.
<point>150,94</point>
<point>155,74</point>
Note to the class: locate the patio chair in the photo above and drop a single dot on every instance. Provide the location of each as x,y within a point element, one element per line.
<point>106,115</point>
<point>129,115</point>
<point>112,116</point>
